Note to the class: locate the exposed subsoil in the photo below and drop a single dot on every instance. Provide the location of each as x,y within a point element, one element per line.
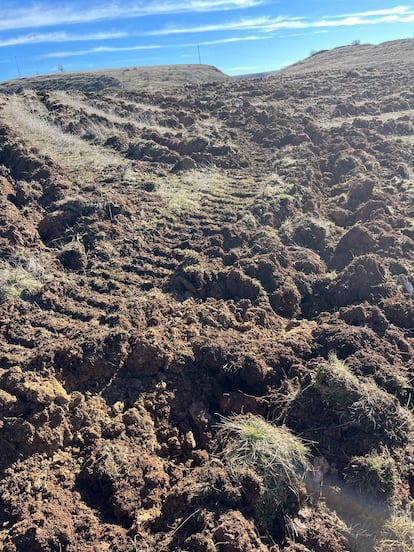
<point>232,236</point>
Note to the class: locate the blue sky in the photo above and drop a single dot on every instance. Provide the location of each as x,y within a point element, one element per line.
<point>237,36</point>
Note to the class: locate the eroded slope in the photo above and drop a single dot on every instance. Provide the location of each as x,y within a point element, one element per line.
<point>167,258</point>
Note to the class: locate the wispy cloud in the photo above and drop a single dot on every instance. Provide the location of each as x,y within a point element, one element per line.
<point>36,38</point>
<point>263,27</point>
<point>44,15</point>
<point>102,49</point>
<point>242,24</point>
<point>397,10</point>
<point>354,21</point>
<point>241,68</point>
<point>226,41</point>
<point>99,50</point>
<point>400,14</point>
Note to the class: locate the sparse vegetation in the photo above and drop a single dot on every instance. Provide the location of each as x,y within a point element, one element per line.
<point>272,452</point>
<point>397,534</point>
<point>113,460</point>
<point>24,274</point>
<point>334,381</point>
<point>51,140</point>
<point>374,475</point>
<point>360,403</point>
<point>185,193</point>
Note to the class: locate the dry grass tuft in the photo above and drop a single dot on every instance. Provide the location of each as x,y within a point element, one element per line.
<point>273,453</point>
<point>360,403</point>
<point>26,274</point>
<point>397,534</point>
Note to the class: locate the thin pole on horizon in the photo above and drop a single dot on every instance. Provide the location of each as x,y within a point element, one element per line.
<point>199,55</point>
<point>17,65</point>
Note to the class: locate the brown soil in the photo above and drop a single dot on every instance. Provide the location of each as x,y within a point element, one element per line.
<point>170,257</point>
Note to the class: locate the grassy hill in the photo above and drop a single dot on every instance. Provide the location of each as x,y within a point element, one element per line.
<point>356,56</point>
<point>130,78</point>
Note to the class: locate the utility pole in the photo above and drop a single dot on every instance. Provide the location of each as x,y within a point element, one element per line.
<point>199,55</point>
<point>17,65</point>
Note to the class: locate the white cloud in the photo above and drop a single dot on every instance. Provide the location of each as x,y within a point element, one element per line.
<point>241,68</point>
<point>401,14</point>
<point>354,21</point>
<point>398,10</point>
<point>48,13</point>
<point>225,41</point>
<point>36,38</point>
<point>101,49</point>
<point>44,14</point>
<point>286,63</point>
<point>242,24</point>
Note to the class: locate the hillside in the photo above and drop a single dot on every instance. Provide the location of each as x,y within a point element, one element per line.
<point>356,56</point>
<point>207,313</point>
<point>130,78</point>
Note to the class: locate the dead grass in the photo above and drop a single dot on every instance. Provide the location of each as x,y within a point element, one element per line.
<point>66,149</point>
<point>360,403</point>
<point>272,452</point>
<point>185,192</point>
<point>354,57</point>
<point>24,274</point>
<point>141,116</point>
<point>397,534</point>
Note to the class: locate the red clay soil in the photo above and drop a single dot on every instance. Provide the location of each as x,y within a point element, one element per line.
<point>240,234</point>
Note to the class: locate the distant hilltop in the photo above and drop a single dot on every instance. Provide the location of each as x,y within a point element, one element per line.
<point>168,77</point>
<point>355,56</point>
<point>129,78</point>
